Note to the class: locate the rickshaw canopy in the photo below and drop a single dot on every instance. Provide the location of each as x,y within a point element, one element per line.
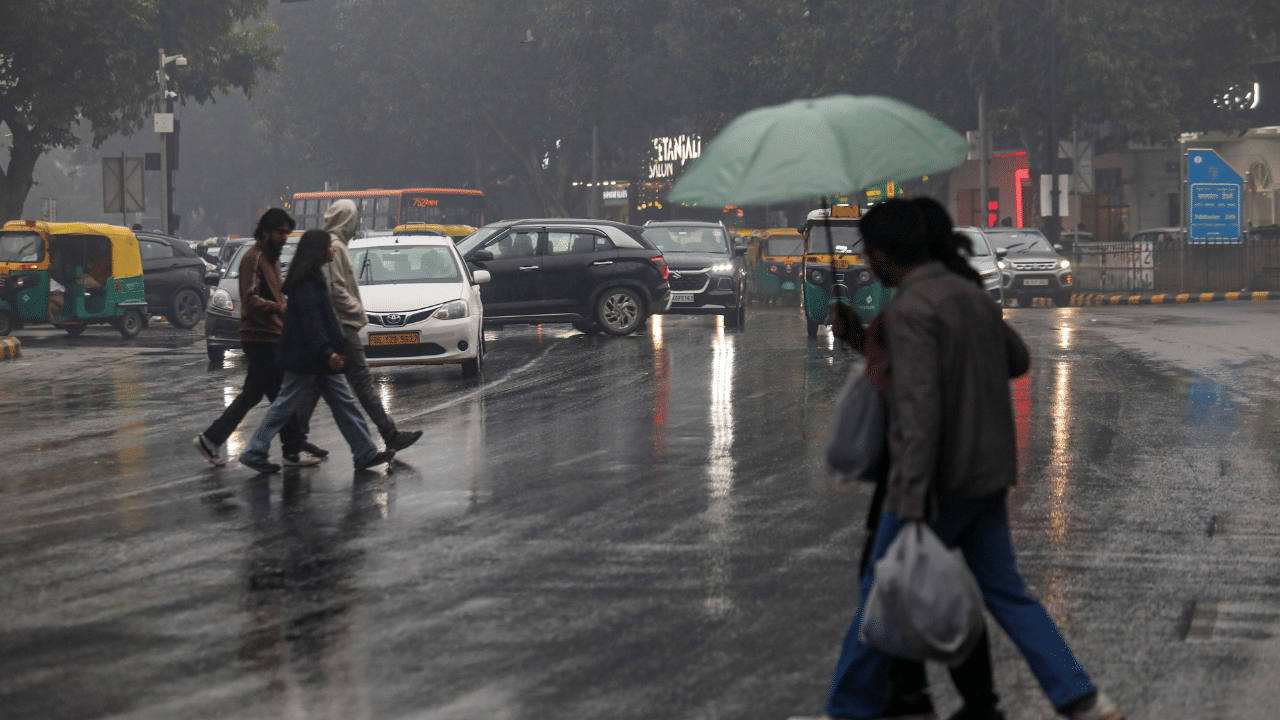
<point>126,261</point>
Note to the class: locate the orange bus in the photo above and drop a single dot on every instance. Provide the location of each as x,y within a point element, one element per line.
<point>385,209</point>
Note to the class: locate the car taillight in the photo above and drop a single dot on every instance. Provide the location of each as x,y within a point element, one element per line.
<point>662,266</point>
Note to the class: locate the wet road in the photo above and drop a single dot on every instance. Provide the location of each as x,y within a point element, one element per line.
<point>624,528</point>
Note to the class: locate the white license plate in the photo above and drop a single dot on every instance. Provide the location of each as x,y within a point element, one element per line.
<point>682,297</point>
<point>1035,281</point>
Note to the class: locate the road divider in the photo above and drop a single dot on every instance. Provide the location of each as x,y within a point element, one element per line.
<point>1084,299</point>
<point>10,348</point>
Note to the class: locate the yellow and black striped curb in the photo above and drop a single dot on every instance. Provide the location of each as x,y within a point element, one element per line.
<point>10,348</point>
<point>1081,299</point>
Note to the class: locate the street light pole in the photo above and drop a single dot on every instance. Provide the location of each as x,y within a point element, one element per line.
<point>166,97</point>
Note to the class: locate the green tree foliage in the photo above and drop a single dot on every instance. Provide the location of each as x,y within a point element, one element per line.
<point>63,62</point>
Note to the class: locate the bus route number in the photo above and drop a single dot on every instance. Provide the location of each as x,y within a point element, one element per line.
<point>425,202</point>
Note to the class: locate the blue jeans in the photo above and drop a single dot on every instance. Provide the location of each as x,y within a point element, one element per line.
<point>334,390</point>
<point>980,528</point>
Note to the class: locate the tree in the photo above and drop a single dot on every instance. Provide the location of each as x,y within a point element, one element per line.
<point>73,61</point>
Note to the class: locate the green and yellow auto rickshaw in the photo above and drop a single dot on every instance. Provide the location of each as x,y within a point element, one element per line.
<point>774,260</point>
<point>835,267</point>
<point>70,275</point>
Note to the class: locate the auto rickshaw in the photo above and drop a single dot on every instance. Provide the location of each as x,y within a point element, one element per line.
<point>835,267</point>
<point>70,275</point>
<point>774,260</point>
<point>456,232</point>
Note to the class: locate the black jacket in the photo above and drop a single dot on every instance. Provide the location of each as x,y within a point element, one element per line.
<point>311,331</point>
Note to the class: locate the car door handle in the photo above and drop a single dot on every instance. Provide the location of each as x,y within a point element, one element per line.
<point>530,267</point>
<point>602,262</point>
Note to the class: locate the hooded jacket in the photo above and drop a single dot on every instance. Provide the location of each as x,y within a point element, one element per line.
<point>341,221</point>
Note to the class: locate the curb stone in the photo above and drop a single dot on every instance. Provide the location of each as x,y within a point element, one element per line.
<point>10,348</point>
<point>1084,299</point>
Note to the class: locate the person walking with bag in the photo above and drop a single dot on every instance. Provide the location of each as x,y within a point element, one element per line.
<point>341,221</point>
<point>952,455</point>
<point>262,307</point>
<point>312,355</point>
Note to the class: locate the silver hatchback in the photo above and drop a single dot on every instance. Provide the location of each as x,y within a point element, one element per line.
<point>983,259</point>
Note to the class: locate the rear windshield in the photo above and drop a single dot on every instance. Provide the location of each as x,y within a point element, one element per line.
<point>286,254</point>
<point>784,247</point>
<point>21,247</point>
<point>688,239</point>
<point>394,264</point>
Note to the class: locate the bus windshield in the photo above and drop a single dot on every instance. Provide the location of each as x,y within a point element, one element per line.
<point>394,264</point>
<point>442,209</point>
<point>21,247</point>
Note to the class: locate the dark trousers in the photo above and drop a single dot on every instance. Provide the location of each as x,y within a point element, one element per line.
<point>262,380</point>
<point>356,370</point>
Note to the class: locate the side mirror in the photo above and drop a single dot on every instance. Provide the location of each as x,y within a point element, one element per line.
<point>481,256</point>
<point>480,276</point>
<point>1057,247</point>
<point>212,278</point>
<point>740,250</point>
<point>1001,253</point>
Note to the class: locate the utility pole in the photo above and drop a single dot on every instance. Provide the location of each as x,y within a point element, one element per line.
<point>164,126</point>
<point>593,207</point>
<point>984,179</point>
<point>1054,226</point>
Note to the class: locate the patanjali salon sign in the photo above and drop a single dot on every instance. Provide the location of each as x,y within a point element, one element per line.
<point>670,154</point>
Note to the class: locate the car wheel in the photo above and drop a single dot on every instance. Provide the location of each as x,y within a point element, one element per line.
<point>813,328</point>
<point>619,311</point>
<point>215,352</point>
<point>186,310</point>
<point>740,317</point>
<point>587,327</point>
<point>74,330</point>
<point>6,323</point>
<point>130,323</point>
<point>472,367</point>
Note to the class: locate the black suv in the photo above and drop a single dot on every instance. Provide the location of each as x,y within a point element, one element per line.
<point>708,271</point>
<point>597,274</point>
<point>173,275</point>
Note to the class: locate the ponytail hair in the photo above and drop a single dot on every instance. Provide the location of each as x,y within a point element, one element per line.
<point>944,242</point>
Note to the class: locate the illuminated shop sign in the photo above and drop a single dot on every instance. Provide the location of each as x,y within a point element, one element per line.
<point>671,153</point>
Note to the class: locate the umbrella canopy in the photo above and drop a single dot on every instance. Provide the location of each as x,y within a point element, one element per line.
<point>827,146</point>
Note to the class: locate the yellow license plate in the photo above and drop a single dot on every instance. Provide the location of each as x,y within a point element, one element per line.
<point>405,338</point>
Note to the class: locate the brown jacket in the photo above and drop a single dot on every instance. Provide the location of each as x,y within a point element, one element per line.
<point>261,298</point>
<point>951,415</point>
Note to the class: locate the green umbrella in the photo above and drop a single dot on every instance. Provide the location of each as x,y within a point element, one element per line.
<point>808,148</point>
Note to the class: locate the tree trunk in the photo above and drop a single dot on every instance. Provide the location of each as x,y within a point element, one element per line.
<point>550,205</point>
<point>16,180</point>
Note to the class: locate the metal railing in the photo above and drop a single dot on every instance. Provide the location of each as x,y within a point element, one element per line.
<point>1171,265</point>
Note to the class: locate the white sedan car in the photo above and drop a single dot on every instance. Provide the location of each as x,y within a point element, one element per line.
<point>422,301</point>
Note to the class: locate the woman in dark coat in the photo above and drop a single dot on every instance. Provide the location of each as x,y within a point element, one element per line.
<point>311,351</point>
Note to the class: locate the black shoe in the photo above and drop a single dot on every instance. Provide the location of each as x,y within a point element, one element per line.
<point>969,713</point>
<point>263,467</point>
<point>315,450</point>
<point>402,439</point>
<point>376,460</point>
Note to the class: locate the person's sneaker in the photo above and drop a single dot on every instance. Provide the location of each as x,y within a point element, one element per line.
<point>402,439</point>
<point>261,466</point>
<point>315,450</point>
<point>1100,709</point>
<point>209,451</point>
<point>300,460</point>
<point>376,460</point>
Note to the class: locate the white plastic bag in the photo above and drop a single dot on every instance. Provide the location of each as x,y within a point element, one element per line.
<point>925,604</point>
<point>859,430</point>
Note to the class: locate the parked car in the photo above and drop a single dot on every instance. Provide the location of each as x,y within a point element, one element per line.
<point>708,273</point>
<point>1030,266</point>
<point>423,302</point>
<point>598,275</point>
<point>174,277</point>
<point>983,259</point>
<point>222,321</point>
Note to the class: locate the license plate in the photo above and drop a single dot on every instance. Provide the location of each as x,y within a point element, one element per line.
<point>681,297</point>
<point>788,286</point>
<point>1035,281</point>
<point>404,338</point>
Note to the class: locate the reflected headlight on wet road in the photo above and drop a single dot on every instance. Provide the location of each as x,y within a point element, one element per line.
<point>222,300</point>
<point>451,311</point>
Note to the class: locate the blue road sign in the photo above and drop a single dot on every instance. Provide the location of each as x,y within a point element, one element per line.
<point>1214,205</point>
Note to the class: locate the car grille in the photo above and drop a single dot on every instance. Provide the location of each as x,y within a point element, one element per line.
<point>407,318</point>
<point>375,352</point>
<point>1048,265</point>
<point>689,281</point>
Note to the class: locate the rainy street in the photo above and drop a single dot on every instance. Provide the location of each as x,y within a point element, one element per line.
<point>634,527</point>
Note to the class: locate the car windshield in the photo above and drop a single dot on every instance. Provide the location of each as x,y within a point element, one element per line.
<point>789,246</point>
<point>845,238</point>
<point>476,239</point>
<point>980,247</point>
<point>688,239</point>
<point>286,254</point>
<point>1020,242</point>
<point>21,247</point>
<point>392,264</point>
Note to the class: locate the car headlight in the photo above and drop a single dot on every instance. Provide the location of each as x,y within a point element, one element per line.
<point>815,276</point>
<point>222,300</point>
<point>864,277</point>
<point>1001,264</point>
<point>452,310</point>
<point>1064,264</point>
<point>722,268</point>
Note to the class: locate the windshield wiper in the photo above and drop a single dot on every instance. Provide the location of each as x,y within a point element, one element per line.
<point>364,265</point>
<point>1014,245</point>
